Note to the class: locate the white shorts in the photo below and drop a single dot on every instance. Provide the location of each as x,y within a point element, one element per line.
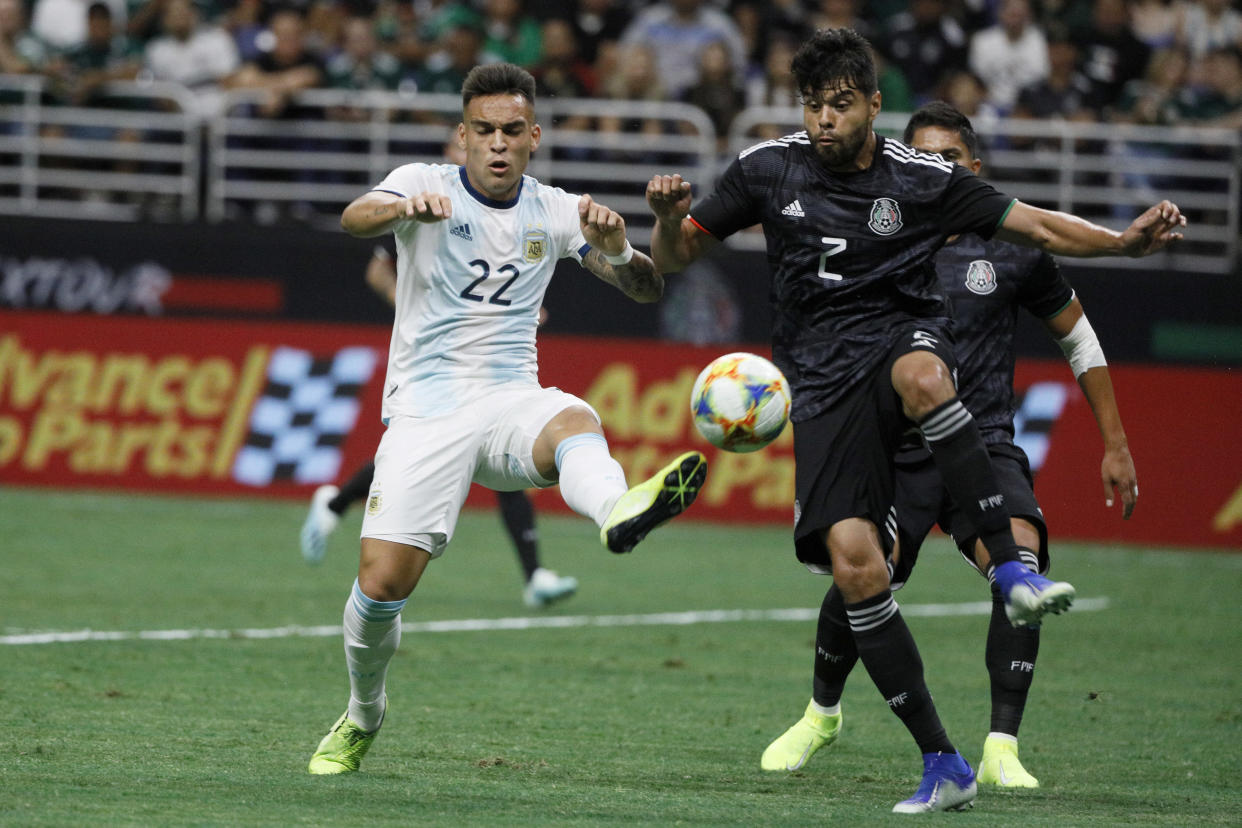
<point>424,465</point>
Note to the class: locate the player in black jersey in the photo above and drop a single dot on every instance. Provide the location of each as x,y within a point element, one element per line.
<point>987,282</point>
<point>861,330</point>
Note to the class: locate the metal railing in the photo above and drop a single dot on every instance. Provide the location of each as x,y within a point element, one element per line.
<point>345,142</point>
<point>138,153</point>
<point>1108,173</point>
<point>133,152</point>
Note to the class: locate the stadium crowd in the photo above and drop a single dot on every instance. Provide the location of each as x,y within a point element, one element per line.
<point>1145,61</point>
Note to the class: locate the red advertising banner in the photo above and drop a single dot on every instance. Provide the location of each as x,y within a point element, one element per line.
<point>275,409</point>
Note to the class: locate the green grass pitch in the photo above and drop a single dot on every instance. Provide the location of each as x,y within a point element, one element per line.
<point>1135,717</point>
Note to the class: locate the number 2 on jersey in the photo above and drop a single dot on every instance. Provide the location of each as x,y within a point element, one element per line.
<point>494,299</point>
<point>835,246</point>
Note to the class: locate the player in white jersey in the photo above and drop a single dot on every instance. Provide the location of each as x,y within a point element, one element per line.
<point>476,247</point>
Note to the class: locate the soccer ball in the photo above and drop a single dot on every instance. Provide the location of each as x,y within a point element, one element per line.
<point>740,402</point>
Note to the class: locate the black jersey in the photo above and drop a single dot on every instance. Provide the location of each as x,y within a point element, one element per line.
<point>986,282</point>
<point>850,254</point>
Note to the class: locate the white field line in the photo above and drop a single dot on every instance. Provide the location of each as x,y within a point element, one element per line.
<point>516,623</point>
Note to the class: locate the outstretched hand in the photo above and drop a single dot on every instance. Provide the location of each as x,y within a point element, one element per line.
<point>1117,472</point>
<point>603,229</point>
<point>668,196</point>
<point>1154,230</point>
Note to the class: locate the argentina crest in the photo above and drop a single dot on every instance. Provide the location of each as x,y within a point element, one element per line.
<point>981,277</point>
<point>885,217</point>
<point>534,244</point>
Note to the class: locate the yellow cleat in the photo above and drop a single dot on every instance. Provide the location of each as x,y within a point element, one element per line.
<point>661,497</point>
<point>1000,765</point>
<point>341,751</point>
<point>795,746</point>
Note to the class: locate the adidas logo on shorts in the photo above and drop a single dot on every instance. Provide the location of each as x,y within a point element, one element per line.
<point>793,208</point>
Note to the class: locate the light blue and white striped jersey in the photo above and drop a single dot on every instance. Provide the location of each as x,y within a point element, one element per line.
<point>469,288</point>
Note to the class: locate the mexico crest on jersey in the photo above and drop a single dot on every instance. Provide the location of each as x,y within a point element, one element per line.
<point>885,217</point>
<point>981,277</point>
<point>534,245</point>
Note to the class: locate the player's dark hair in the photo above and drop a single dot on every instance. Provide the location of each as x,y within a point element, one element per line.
<point>498,79</point>
<point>947,116</point>
<point>832,59</point>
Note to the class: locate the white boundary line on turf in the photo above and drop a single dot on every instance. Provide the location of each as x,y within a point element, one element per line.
<point>516,623</point>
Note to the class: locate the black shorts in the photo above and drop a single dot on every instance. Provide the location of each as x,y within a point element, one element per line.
<point>921,502</point>
<point>843,458</point>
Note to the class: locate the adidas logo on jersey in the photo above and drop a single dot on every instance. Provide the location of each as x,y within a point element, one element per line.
<point>793,208</point>
<point>462,231</point>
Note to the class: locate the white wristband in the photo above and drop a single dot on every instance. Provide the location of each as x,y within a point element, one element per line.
<point>623,257</point>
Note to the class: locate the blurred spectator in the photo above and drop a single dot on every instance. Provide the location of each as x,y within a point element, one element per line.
<point>360,64</point>
<point>244,22</point>
<point>1112,55</point>
<point>1075,16</point>
<point>21,53</point>
<point>893,86</point>
<point>677,30</point>
<point>926,43</point>
<point>760,23</point>
<point>1155,22</point>
<point>1010,55</point>
<point>105,55</point>
<point>61,24</point>
<point>775,85</point>
<point>966,92</point>
<point>1207,25</point>
<point>282,71</point>
<point>562,73</point>
<point>1065,93</point>
<point>839,14</point>
<point>192,54</point>
<point>1217,102</point>
<point>458,50</point>
<point>598,24</point>
<point>716,91</point>
<point>510,35</point>
<point>637,79</point>
<point>1154,98</point>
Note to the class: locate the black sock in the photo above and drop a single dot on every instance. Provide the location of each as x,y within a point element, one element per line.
<point>966,471</point>
<point>887,650</point>
<point>1010,657</point>
<point>519,517</point>
<point>354,489</point>
<point>835,652</point>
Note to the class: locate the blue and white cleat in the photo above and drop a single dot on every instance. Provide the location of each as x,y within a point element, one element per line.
<point>546,587</point>
<point>948,785</point>
<point>1030,596</point>
<point>320,522</point>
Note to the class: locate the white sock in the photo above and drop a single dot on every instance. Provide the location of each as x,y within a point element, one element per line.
<point>372,633</point>
<point>591,481</point>
<point>831,710</point>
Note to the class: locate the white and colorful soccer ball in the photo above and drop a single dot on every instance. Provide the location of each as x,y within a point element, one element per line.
<point>740,402</point>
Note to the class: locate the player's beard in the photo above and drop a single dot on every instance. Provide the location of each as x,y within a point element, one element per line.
<point>843,154</point>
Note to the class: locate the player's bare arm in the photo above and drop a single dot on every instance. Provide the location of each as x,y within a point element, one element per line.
<point>1062,234</point>
<point>676,240</point>
<point>376,213</point>
<point>1071,329</point>
<point>612,258</point>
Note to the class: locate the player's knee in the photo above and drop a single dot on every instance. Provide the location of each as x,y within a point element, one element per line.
<point>922,384</point>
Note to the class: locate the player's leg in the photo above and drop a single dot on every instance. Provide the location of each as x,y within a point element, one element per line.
<point>422,475</point>
<point>922,378</point>
<point>327,505</point>
<point>571,448</point>
<point>541,586</point>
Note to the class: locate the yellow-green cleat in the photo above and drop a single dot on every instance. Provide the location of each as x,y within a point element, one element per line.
<point>341,751</point>
<point>644,507</point>
<point>1000,765</point>
<point>795,746</point>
